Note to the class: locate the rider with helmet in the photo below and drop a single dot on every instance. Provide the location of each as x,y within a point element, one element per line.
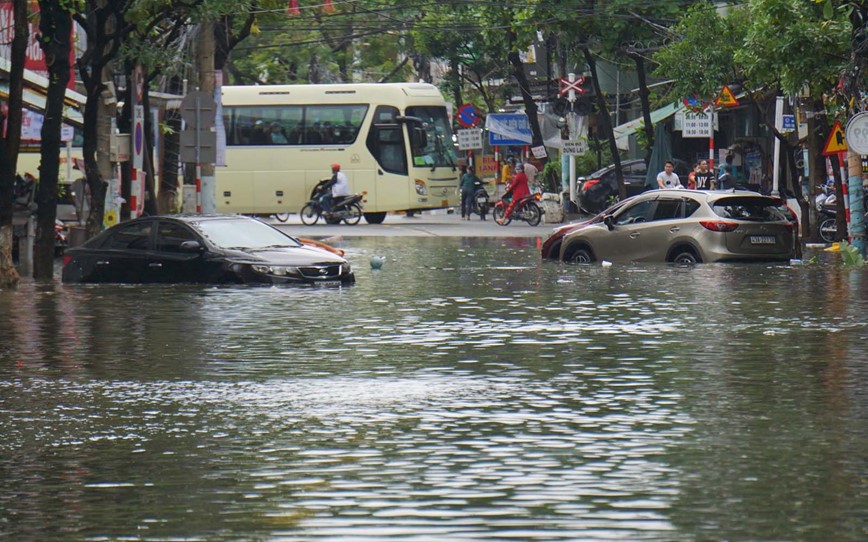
<point>518,189</point>
<point>340,186</point>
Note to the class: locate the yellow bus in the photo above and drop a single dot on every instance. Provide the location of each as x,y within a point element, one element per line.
<point>393,141</point>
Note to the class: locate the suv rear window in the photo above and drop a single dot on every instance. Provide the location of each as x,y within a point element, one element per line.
<point>755,209</point>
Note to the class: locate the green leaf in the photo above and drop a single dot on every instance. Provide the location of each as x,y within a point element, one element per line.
<point>828,10</point>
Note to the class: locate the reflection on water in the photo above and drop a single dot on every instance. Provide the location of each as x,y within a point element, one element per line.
<point>466,391</point>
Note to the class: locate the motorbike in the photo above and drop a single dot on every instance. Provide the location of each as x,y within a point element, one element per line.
<point>481,203</point>
<point>826,205</point>
<point>526,209</point>
<point>827,213</point>
<point>347,209</point>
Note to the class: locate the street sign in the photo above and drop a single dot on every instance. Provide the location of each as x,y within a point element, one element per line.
<point>467,116</point>
<point>694,124</point>
<point>565,85</point>
<point>574,147</point>
<point>469,139</point>
<point>789,124</point>
<point>198,109</point>
<point>726,98</point>
<point>694,104</point>
<point>138,136</point>
<point>508,129</point>
<point>857,133</point>
<point>836,142</point>
<point>207,146</point>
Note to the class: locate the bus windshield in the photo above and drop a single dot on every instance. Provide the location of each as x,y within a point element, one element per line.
<point>440,151</point>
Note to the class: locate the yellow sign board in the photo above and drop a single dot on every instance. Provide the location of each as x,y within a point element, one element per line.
<point>836,142</point>
<point>726,98</point>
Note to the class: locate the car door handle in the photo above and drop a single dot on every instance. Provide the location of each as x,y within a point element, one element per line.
<point>674,229</point>
<point>103,262</point>
<point>634,235</point>
<point>155,265</point>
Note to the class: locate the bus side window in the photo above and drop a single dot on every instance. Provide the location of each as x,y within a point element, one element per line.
<point>388,148</point>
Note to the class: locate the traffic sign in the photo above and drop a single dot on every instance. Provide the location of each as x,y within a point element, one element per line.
<point>198,110</point>
<point>836,142</point>
<point>508,129</point>
<point>469,139</point>
<point>467,116</point>
<point>726,98</point>
<point>574,147</point>
<point>857,133</point>
<point>789,123</point>
<point>694,104</point>
<point>565,85</point>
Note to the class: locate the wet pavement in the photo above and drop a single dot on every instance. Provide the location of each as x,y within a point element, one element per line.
<point>427,224</point>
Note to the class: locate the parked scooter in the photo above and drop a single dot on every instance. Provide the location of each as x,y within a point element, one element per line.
<point>344,208</point>
<point>827,213</point>
<point>526,209</point>
<point>481,201</point>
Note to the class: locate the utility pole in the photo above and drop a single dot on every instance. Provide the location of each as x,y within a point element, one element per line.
<point>207,197</point>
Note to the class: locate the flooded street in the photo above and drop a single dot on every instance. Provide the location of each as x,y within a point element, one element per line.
<point>465,391</point>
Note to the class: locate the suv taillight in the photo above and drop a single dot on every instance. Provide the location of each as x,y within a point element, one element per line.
<point>588,184</point>
<point>718,225</point>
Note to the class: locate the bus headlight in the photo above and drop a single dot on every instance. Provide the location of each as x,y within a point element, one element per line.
<point>421,188</point>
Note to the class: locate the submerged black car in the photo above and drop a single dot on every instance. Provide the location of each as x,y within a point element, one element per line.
<point>220,249</point>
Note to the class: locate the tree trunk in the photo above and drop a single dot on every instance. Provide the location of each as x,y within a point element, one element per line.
<point>606,121</point>
<point>644,93</point>
<point>55,26</point>
<point>529,104</point>
<point>10,143</point>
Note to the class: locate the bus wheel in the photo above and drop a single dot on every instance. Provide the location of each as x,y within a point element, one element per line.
<point>355,211</point>
<point>282,217</point>
<point>309,215</point>
<point>375,218</point>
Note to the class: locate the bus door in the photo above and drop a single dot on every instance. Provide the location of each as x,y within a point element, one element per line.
<point>393,189</point>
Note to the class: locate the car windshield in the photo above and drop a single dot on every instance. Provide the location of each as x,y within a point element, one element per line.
<point>248,233</point>
<point>754,209</point>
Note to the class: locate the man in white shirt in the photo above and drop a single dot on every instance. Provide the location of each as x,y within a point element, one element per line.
<point>667,178</point>
<point>340,186</point>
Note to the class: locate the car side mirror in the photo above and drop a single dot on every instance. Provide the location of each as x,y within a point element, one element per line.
<point>609,222</point>
<point>191,246</point>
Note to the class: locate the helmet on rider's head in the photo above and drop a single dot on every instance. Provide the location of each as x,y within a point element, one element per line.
<point>336,167</point>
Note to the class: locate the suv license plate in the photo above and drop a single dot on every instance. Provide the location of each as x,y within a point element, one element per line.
<point>762,239</point>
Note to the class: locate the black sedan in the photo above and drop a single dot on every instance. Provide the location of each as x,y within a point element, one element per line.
<point>219,249</point>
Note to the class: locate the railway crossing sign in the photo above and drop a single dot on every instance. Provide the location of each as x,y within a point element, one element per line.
<point>565,86</point>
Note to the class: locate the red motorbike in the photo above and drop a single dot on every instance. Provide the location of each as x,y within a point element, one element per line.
<point>526,209</point>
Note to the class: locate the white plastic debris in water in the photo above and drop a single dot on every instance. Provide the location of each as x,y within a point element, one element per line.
<point>377,262</point>
<point>795,262</point>
<point>606,263</point>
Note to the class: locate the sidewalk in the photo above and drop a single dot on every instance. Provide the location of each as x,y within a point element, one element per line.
<point>437,223</point>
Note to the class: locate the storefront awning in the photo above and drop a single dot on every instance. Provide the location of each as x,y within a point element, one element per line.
<point>624,131</point>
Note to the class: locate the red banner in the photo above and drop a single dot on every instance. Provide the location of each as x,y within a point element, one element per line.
<point>35,58</point>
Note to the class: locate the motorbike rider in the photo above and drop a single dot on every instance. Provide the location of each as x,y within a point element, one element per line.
<point>339,185</point>
<point>518,189</point>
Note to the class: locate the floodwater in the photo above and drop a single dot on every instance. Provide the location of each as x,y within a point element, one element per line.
<point>465,391</point>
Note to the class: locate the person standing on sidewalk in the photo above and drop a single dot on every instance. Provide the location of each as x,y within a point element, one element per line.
<point>469,182</point>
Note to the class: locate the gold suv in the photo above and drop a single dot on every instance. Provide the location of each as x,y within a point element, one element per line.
<point>685,226</point>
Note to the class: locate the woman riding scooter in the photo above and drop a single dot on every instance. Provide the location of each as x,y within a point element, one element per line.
<point>518,189</point>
